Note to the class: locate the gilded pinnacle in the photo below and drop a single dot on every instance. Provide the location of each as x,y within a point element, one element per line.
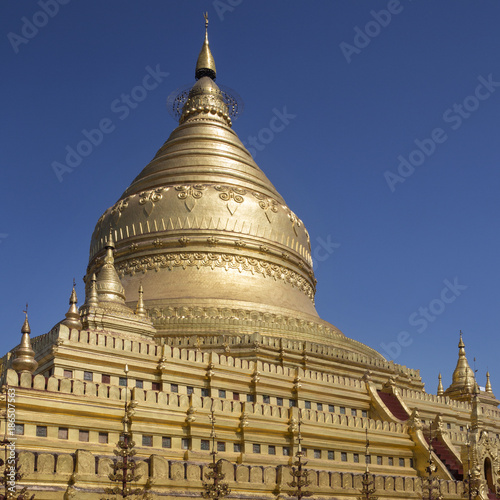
<point>109,286</point>
<point>461,344</point>
<point>488,387</point>
<point>140,309</point>
<point>73,316</point>
<point>26,326</point>
<point>440,390</point>
<point>24,360</point>
<point>92,299</point>
<point>464,379</point>
<point>205,66</point>
<point>110,243</point>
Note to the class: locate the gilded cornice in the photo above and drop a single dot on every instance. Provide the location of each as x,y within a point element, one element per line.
<point>217,260</point>
<point>178,315</point>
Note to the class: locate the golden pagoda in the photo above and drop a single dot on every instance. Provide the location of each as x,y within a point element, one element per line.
<point>200,282</point>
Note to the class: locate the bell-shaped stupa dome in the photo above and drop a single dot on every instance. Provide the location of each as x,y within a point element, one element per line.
<point>203,230</point>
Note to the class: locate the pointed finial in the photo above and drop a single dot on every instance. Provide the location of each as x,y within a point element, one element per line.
<point>92,299</point>
<point>205,66</point>
<point>461,344</point>
<point>73,316</point>
<point>24,360</point>
<point>110,243</point>
<point>26,326</point>
<point>440,390</point>
<point>140,310</point>
<point>487,387</point>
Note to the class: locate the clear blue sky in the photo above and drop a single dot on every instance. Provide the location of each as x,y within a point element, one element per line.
<point>371,86</point>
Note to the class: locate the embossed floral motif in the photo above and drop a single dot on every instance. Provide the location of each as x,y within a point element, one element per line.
<point>212,240</point>
<point>217,260</point>
<point>267,204</point>
<point>190,193</point>
<point>133,246</point>
<point>157,242</point>
<point>149,198</point>
<point>264,248</point>
<point>240,243</point>
<point>184,240</point>
<point>232,195</point>
<point>153,196</point>
<point>116,211</point>
<point>193,190</point>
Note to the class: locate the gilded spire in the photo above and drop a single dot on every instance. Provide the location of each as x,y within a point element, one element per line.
<point>92,299</point>
<point>73,316</point>
<point>463,373</point>
<point>26,325</point>
<point>24,360</point>
<point>205,100</point>
<point>440,390</point>
<point>488,389</point>
<point>464,380</point>
<point>109,286</point>
<point>461,345</point>
<point>205,65</point>
<point>140,310</point>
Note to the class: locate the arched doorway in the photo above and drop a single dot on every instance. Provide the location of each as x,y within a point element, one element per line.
<point>488,474</point>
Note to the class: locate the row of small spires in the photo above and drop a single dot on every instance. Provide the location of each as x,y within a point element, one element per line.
<point>25,356</point>
<point>107,288</point>
<point>469,387</point>
<point>107,284</point>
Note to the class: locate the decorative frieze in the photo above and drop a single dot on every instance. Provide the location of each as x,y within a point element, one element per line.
<point>217,261</point>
